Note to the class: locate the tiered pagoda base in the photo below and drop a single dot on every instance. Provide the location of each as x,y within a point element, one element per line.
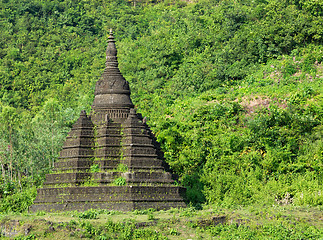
<point>121,198</point>
<point>109,165</point>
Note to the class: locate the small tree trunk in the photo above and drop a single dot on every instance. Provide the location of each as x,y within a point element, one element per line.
<point>3,172</point>
<point>19,180</point>
<point>52,144</point>
<point>10,161</point>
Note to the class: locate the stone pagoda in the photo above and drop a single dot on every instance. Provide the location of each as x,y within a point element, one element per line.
<point>110,159</point>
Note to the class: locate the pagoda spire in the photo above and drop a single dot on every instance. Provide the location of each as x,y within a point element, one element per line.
<point>112,90</point>
<point>111,52</point>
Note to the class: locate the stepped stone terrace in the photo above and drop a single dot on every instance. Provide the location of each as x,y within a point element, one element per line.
<point>110,159</point>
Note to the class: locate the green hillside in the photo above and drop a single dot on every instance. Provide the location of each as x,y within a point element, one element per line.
<point>232,90</point>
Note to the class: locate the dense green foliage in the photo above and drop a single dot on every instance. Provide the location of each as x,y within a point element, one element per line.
<point>233,90</point>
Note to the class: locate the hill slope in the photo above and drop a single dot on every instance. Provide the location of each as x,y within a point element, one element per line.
<point>232,91</point>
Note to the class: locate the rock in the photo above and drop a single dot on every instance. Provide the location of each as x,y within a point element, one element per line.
<point>27,228</point>
<point>212,222</point>
<point>9,228</point>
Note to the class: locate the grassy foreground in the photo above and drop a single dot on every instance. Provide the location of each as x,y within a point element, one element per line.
<point>253,222</point>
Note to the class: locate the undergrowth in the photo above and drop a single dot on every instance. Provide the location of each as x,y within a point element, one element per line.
<point>254,222</point>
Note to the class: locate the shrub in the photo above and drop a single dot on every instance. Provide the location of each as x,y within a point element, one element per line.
<point>122,168</point>
<point>120,181</point>
<point>94,168</point>
<point>89,214</point>
<point>18,202</point>
<point>151,216</point>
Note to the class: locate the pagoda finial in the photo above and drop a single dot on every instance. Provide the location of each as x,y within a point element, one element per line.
<point>111,51</point>
<point>111,37</point>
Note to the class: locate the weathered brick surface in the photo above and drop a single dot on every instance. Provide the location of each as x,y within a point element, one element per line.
<point>131,197</point>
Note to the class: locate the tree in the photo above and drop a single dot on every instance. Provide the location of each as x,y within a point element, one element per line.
<point>9,120</point>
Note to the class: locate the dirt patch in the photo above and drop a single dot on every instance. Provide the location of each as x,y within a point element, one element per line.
<point>251,105</point>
